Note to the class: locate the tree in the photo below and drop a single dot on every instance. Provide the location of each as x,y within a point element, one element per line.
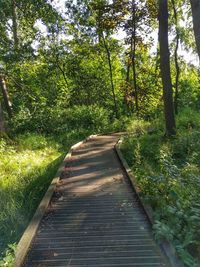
<point>165,68</point>
<point>195,4</point>
<point>137,28</point>
<point>2,123</point>
<point>176,57</point>
<point>108,17</point>
<point>94,22</point>
<point>131,27</point>
<point>15,26</point>
<point>6,97</point>
<point>133,51</point>
<point>111,74</point>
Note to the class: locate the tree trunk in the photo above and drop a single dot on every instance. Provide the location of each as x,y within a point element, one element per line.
<point>176,59</point>
<point>133,54</point>
<point>128,105</point>
<point>195,4</point>
<point>165,68</point>
<point>111,75</point>
<point>157,65</point>
<point>2,123</point>
<point>14,26</point>
<point>128,72</point>
<point>6,98</point>
<point>62,71</point>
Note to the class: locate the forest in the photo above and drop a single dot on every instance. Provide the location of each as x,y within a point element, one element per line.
<point>73,68</point>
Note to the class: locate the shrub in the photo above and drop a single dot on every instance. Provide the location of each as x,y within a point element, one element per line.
<point>55,120</point>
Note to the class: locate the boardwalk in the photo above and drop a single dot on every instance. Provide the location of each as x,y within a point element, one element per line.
<point>94,219</point>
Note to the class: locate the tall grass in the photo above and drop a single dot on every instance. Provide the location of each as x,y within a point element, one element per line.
<point>26,169</point>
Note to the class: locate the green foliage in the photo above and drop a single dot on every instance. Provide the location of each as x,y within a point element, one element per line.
<point>33,141</point>
<point>189,85</point>
<point>188,119</point>
<point>7,260</point>
<point>168,174</point>
<point>26,171</point>
<point>93,118</point>
<point>138,127</point>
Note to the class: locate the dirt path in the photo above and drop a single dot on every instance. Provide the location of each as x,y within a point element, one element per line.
<point>95,219</point>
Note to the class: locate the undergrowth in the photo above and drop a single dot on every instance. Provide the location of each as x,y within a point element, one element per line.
<point>168,173</point>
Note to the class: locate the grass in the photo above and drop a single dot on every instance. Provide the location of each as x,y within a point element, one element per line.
<point>27,165</point>
<point>168,172</point>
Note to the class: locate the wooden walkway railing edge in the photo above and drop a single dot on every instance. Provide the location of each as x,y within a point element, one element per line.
<point>165,246</point>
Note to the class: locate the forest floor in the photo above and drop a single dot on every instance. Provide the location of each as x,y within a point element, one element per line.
<point>84,223</point>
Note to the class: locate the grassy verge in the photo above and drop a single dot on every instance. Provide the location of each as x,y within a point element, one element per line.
<point>27,166</point>
<point>168,172</point>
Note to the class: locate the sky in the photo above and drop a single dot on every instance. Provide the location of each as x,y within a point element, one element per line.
<point>189,57</point>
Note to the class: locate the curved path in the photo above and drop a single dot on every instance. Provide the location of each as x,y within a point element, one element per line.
<point>94,219</point>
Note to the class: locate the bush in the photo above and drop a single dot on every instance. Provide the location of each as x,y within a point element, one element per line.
<point>53,120</point>
<point>138,127</point>
<point>31,141</point>
<point>87,117</point>
<point>188,119</point>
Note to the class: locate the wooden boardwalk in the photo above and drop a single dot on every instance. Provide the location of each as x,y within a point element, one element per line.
<point>95,219</point>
